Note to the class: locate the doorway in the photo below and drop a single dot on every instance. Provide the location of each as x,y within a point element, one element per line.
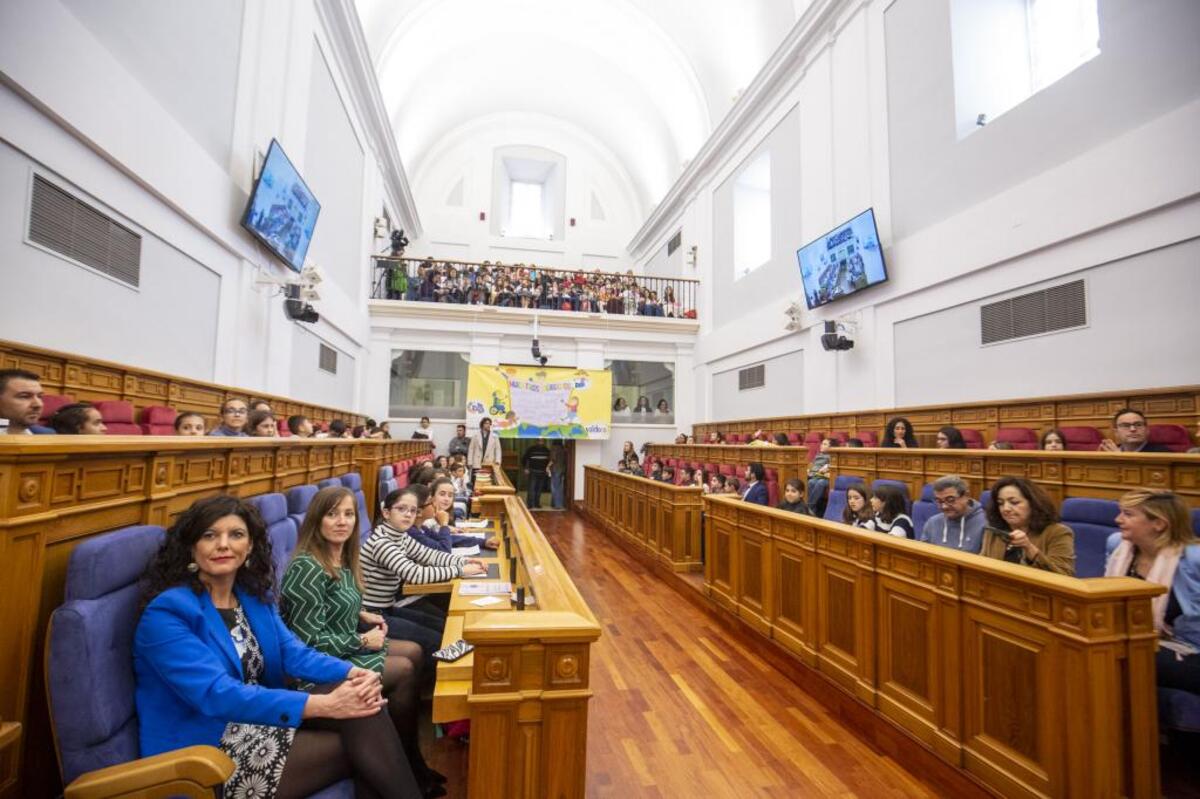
<point>515,450</point>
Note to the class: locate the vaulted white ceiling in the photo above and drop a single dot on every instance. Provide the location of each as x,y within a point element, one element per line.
<point>649,79</point>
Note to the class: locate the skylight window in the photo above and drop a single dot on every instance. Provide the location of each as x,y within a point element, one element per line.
<point>527,215</point>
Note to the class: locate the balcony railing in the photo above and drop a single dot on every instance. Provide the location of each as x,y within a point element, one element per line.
<point>519,286</point>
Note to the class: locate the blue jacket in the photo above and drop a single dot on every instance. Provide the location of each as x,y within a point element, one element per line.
<point>189,675</point>
<point>222,430</point>
<point>39,430</point>
<point>1185,586</point>
<point>757,494</point>
<point>442,539</point>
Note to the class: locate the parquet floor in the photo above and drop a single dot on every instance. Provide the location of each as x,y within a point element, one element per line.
<point>683,709</point>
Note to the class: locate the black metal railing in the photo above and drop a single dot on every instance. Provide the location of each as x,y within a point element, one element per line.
<point>536,287</point>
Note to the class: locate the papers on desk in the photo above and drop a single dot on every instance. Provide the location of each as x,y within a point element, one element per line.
<point>473,524</point>
<point>484,589</point>
<point>486,601</point>
<point>465,551</point>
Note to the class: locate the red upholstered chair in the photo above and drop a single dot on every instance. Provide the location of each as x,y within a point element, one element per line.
<point>794,439</point>
<point>812,440</point>
<point>51,403</point>
<point>772,476</point>
<point>157,420</point>
<point>1172,436</point>
<point>973,438</point>
<point>839,438</point>
<point>282,427</point>
<point>773,492</point>
<point>727,469</point>
<point>710,469</point>
<point>1082,439</point>
<point>1019,437</point>
<point>869,438</point>
<point>118,418</point>
<point>733,438</point>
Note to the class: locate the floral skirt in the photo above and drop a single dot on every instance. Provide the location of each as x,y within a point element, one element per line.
<point>258,752</point>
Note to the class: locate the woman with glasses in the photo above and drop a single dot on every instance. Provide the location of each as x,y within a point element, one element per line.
<point>1156,544</point>
<point>234,414</point>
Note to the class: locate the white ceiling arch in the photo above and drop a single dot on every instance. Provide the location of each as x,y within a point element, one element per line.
<point>648,78</point>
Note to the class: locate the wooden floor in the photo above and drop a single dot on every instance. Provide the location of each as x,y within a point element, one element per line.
<point>683,708</point>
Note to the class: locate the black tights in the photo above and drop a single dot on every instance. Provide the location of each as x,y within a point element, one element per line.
<point>401,676</point>
<point>326,751</point>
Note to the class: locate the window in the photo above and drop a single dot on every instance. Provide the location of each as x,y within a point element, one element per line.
<point>526,214</point>
<point>752,216</point>
<point>645,384</point>
<point>1005,51</point>
<point>430,384</point>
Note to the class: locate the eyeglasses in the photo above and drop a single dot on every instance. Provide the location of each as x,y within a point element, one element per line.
<point>236,411</point>
<point>404,509</point>
<point>948,501</point>
<point>1130,425</point>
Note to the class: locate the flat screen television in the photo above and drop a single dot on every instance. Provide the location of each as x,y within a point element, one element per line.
<point>845,260</point>
<point>282,211</point>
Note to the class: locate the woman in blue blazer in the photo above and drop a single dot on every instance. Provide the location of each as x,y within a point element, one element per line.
<point>213,659</point>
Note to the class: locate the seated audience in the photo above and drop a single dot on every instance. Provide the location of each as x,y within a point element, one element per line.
<point>462,486</point>
<point>424,431</point>
<point>761,439</point>
<point>300,426</point>
<point>1156,544</point>
<point>818,477</point>
<point>442,462</point>
<point>898,432</point>
<point>338,429</point>
<point>666,475</point>
<point>260,405</point>
<point>716,484</point>
<point>1024,528</point>
<point>643,405</point>
<point>888,505</point>
<point>630,465</point>
<point>960,521</point>
<point>443,493</point>
<point>262,424</point>
<point>1053,440</point>
<point>781,440</point>
<point>78,418</point>
<point>854,442</point>
<point>715,438</point>
<point>655,472</point>
<point>1001,445</point>
<point>189,423</point>
<point>858,511</point>
<point>663,408</point>
<point>687,475</point>
<point>1132,432</point>
<point>690,440</point>
<point>699,480</point>
<point>461,443</point>
<point>793,498</point>
<point>756,487</point>
<point>208,596</point>
<point>385,430</point>
<point>234,415</point>
<point>949,437</point>
<point>680,439</point>
<point>733,487</point>
<point>620,407</point>
<point>21,402</point>
<point>321,600</point>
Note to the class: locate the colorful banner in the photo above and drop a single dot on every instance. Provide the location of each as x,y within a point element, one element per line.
<point>537,402</point>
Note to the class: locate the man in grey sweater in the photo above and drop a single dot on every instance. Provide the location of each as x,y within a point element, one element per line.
<point>960,523</point>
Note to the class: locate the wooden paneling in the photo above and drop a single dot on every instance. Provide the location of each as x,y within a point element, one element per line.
<point>96,380</point>
<point>788,462</point>
<point>1033,683</point>
<point>1103,475</point>
<point>58,490</point>
<point>1172,405</point>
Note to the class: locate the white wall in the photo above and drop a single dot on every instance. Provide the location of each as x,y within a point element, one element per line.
<point>454,184</point>
<point>1094,169</point>
<point>781,394</point>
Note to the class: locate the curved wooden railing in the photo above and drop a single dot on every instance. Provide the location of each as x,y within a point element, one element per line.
<point>788,462</point>
<point>56,491</point>
<point>1025,682</point>
<point>659,519</point>
<point>95,380</point>
<point>1170,405</point>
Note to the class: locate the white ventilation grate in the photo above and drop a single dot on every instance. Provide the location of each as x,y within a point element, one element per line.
<point>674,243</point>
<point>752,377</point>
<point>327,360</point>
<point>70,227</point>
<point>1056,308</point>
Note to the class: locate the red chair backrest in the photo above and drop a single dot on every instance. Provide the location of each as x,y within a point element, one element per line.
<point>812,440</point>
<point>773,492</point>
<point>51,403</point>
<point>1173,436</point>
<point>157,420</point>
<point>1082,439</point>
<point>1019,437</point>
<point>118,418</point>
<point>794,439</point>
<point>727,469</point>
<point>973,438</point>
<point>869,438</point>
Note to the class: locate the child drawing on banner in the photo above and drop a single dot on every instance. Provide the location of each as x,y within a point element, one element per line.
<point>509,421</point>
<point>572,408</point>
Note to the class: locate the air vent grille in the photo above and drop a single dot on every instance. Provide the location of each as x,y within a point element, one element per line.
<point>1056,308</point>
<point>70,227</point>
<point>752,377</point>
<point>674,243</point>
<point>327,360</point>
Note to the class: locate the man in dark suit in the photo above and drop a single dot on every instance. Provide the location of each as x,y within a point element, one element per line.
<point>1132,432</point>
<point>756,488</point>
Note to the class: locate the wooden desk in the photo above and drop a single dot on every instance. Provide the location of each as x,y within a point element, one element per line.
<point>657,520</point>
<point>1062,474</point>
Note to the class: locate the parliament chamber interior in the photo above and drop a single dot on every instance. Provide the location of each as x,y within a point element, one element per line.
<point>783,398</point>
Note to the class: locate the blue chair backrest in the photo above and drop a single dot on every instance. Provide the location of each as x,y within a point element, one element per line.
<point>898,484</point>
<point>387,472</point>
<point>835,506</point>
<point>1094,521</point>
<point>353,481</point>
<point>1196,521</point>
<point>924,508</point>
<point>281,529</point>
<point>89,668</point>
<point>329,481</point>
<point>298,500</point>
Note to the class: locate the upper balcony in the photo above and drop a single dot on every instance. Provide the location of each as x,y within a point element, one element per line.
<point>590,297</point>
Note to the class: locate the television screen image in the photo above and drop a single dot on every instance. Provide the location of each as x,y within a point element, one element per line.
<point>282,211</point>
<point>845,260</point>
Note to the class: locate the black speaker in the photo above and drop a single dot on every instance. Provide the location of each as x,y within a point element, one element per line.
<point>832,340</point>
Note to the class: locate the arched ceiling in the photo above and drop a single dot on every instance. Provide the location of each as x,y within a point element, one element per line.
<point>649,79</point>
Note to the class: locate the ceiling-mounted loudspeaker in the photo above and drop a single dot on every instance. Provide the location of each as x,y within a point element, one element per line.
<point>833,340</point>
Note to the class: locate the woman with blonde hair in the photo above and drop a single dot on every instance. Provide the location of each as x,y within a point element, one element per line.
<point>322,602</point>
<point>1156,544</point>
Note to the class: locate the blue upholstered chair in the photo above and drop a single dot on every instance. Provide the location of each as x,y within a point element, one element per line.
<point>924,508</point>
<point>1094,521</point>
<point>353,481</point>
<point>298,500</point>
<point>329,481</point>
<point>281,530</point>
<point>90,681</point>
<point>836,505</point>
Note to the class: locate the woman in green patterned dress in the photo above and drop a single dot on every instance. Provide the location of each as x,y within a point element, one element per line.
<point>322,603</point>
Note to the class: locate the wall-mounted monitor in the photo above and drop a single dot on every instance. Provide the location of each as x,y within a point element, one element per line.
<point>282,211</point>
<point>845,260</point>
